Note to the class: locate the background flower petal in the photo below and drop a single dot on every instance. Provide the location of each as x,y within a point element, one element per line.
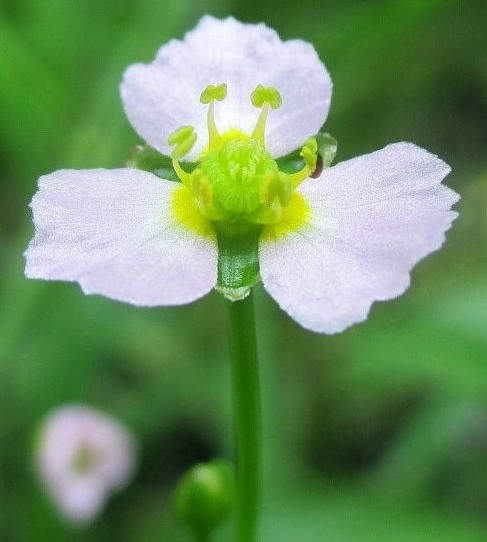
<point>161,96</point>
<point>80,500</point>
<point>373,218</point>
<point>113,231</point>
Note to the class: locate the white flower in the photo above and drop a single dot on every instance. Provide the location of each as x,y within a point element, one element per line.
<point>328,247</point>
<point>82,458</point>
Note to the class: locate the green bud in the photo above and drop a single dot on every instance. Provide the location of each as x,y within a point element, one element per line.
<point>204,496</point>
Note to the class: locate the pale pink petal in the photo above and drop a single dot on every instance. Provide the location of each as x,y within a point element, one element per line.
<point>372,219</point>
<point>164,95</point>
<point>80,500</point>
<point>113,231</point>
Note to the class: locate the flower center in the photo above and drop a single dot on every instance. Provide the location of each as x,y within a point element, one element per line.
<point>236,181</point>
<point>84,460</point>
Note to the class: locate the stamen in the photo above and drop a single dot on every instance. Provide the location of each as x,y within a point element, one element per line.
<point>266,98</point>
<point>183,138</point>
<point>202,188</point>
<point>269,215</point>
<point>309,155</point>
<point>268,189</point>
<point>203,194</point>
<point>184,176</point>
<point>284,190</point>
<point>262,95</point>
<point>211,94</point>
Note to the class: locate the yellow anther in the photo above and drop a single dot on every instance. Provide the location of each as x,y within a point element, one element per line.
<point>266,95</point>
<point>183,138</point>
<point>206,192</point>
<point>309,153</point>
<point>196,181</point>
<point>268,189</point>
<point>284,190</point>
<point>214,92</point>
<point>269,215</point>
<point>203,195</point>
<point>311,144</point>
<point>180,135</point>
<point>201,188</point>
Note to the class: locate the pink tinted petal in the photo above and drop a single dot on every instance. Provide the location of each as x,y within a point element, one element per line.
<point>164,95</point>
<point>372,219</point>
<point>80,500</point>
<point>113,231</point>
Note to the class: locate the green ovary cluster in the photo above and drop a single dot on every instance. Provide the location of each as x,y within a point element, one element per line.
<point>236,178</point>
<point>237,183</point>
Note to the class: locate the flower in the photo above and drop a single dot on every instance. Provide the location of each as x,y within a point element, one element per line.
<point>83,457</point>
<point>325,244</point>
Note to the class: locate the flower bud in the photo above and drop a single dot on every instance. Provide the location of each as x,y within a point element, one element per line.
<point>204,496</point>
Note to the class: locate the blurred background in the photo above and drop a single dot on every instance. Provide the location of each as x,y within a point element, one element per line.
<point>378,434</point>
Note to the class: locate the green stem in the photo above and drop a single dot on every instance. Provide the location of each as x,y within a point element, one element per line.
<point>246,397</point>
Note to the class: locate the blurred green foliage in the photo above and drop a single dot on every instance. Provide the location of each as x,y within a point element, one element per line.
<point>379,434</point>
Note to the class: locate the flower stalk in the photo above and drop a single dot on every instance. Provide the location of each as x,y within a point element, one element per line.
<point>246,397</point>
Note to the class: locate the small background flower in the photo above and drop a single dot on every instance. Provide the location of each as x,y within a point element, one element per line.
<point>83,457</point>
<point>393,410</point>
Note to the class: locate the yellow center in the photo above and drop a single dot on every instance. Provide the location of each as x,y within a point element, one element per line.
<point>236,185</point>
